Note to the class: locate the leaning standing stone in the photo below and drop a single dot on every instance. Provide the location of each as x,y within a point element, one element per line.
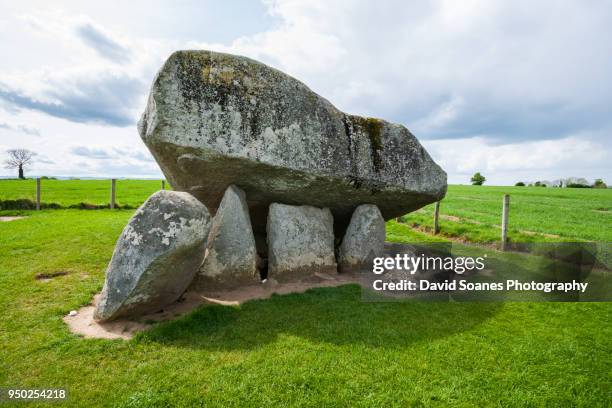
<point>156,256</point>
<point>364,239</point>
<point>231,259</point>
<point>300,241</point>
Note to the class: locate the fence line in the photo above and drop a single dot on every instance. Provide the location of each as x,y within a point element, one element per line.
<point>38,194</point>
<point>113,193</point>
<point>504,227</point>
<point>436,217</point>
<point>436,227</point>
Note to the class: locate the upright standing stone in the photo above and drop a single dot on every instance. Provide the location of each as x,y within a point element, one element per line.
<point>231,257</point>
<point>300,241</point>
<point>364,239</point>
<point>156,256</point>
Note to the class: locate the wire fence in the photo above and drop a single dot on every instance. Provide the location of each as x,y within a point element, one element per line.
<point>43,193</point>
<point>129,193</point>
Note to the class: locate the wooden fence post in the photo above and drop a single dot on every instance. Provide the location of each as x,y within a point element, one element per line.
<point>37,193</point>
<point>163,184</point>
<point>436,222</point>
<point>504,232</point>
<point>113,190</point>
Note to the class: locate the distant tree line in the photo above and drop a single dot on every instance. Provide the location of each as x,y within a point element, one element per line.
<point>571,182</point>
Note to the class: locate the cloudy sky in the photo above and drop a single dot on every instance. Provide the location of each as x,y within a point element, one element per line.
<point>518,90</point>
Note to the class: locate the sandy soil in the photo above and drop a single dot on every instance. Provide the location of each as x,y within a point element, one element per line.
<point>7,219</point>
<point>84,324</point>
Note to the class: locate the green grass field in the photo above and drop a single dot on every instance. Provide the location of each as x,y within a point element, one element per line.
<point>536,214</point>
<point>73,192</point>
<point>321,348</point>
<point>471,213</point>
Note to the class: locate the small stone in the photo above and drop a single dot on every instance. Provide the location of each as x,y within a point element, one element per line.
<point>72,313</point>
<point>300,241</point>
<point>269,283</point>
<point>364,239</point>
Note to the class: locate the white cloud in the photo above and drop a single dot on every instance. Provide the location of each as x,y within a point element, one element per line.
<point>105,80</point>
<point>529,79</point>
<point>102,42</point>
<point>516,68</point>
<point>441,116</point>
<point>20,128</point>
<point>526,161</point>
<point>79,149</point>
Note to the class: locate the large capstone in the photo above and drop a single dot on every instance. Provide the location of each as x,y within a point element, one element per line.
<point>300,242</point>
<point>216,119</point>
<point>363,241</point>
<point>231,259</point>
<point>156,256</point>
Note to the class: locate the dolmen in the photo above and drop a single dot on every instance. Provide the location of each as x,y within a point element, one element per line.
<point>270,180</point>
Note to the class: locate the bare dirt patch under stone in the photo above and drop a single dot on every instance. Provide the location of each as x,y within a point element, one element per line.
<point>84,324</point>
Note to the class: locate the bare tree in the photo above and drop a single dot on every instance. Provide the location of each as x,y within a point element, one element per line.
<point>18,159</point>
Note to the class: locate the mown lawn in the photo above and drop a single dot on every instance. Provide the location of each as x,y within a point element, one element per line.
<point>321,348</point>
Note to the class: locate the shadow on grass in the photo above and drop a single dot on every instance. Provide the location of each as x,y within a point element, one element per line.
<point>330,315</point>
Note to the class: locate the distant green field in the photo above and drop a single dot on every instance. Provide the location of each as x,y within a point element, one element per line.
<point>72,192</point>
<point>536,214</point>
<point>472,213</point>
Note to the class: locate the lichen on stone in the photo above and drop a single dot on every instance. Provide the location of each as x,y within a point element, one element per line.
<point>372,127</point>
